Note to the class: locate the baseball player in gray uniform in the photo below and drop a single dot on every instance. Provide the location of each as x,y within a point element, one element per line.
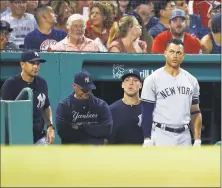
<point>170,103</point>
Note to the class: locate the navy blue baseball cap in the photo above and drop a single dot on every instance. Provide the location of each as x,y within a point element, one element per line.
<point>131,72</point>
<point>5,26</point>
<point>84,80</point>
<point>31,56</point>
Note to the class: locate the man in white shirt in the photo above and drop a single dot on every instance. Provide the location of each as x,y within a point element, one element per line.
<point>21,22</point>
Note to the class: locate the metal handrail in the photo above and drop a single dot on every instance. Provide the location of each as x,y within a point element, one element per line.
<point>28,90</point>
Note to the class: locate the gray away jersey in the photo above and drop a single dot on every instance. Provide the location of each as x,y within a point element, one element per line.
<point>172,96</point>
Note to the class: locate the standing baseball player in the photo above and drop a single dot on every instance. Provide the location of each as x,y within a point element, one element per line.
<point>126,112</point>
<point>82,118</point>
<point>42,113</point>
<point>170,101</point>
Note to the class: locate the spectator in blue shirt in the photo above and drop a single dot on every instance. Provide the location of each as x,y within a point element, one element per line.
<point>162,10</point>
<point>145,10</point>
<point>83,118</point>
<point>45,35</point>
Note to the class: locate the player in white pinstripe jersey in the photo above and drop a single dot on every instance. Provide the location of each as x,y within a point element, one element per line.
<point>170,101</point>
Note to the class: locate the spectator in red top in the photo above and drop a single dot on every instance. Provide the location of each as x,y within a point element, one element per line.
<point>201,8</point>
<point>177,30</point>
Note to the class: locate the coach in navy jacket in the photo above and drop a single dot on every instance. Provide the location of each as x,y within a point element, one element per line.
<point>83,118</point>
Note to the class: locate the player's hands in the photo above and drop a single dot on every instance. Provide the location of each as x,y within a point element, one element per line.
<point>197,143</point>
<point>148,143</point>
<point>105,141</point>
<point>50,134</point>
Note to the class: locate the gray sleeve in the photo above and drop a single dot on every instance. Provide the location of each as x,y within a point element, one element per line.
<point>149,92</point>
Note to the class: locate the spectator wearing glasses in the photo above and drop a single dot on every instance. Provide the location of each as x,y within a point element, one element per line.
<point>162,10</point>
<point>5,30</point>
<point>176,31</point>
<point>76,40</point>
<point>21,22</point>
<point>211,43</point>
<point>83,118</point>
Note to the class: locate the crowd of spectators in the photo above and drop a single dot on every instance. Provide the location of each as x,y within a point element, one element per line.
<point>125,26</point>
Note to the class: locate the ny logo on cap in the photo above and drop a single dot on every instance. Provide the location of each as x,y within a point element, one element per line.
<point>131,71</point>
<point>87,79</point>
<point>178,13</point>
<point>36,54</point>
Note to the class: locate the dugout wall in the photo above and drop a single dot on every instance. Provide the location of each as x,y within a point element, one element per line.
<point>107,68</point>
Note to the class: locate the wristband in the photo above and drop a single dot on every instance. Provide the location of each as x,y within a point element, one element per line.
<point>50,125</point>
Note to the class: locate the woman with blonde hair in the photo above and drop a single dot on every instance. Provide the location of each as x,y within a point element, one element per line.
<point>124,36</point>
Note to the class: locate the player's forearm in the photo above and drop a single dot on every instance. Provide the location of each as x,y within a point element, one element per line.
<point>147,111</point>
<point>196,121</point>
<point>47,115</point>
<point>98,130</point>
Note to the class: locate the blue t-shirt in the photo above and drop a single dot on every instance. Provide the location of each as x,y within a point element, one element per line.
<point>157,29</point>
<point>83,121</point>
<point>126,123</point>
<point>196,27</point>
<point>12,87</point>
<point>39,41</point>
<point>152,22</point>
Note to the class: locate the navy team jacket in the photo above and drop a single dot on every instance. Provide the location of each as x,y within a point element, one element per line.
<point>83,121</point>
